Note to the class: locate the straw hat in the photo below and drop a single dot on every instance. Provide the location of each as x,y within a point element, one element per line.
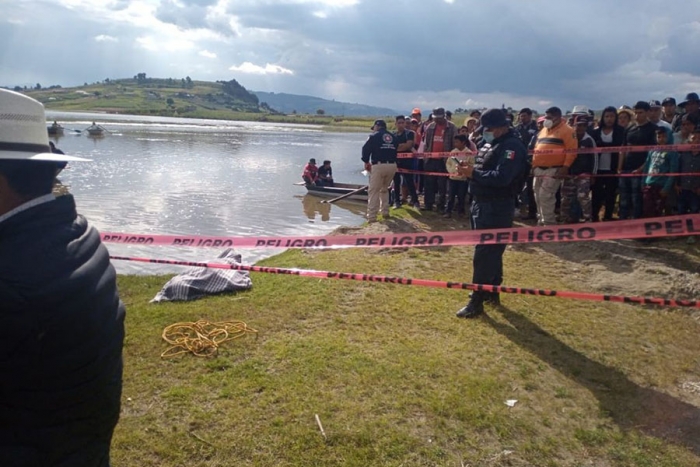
<point>23,134</point>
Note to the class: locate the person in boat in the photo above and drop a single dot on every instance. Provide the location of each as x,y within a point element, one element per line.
<point>310,174</point>
<point>94,126</point>
<point>63,323</point>
<point>55,126</point>
<point>325,174</point>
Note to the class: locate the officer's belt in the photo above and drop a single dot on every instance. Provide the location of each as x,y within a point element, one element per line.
<point>383,162</point>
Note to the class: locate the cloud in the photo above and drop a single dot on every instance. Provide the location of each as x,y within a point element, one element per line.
<point>207,54</point>
<point>250,68</point>
<point>106,38</point>
<point>487,53</point>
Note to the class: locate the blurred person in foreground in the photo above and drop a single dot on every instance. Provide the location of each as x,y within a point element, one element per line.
<point>62,321</point>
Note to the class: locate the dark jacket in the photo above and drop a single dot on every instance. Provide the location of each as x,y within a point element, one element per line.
<point>60,340</point>
<point>527,132</point>
<point>500,169</point>
<point>618,139</point>
<point>380,147</point>
<point>585,163</point>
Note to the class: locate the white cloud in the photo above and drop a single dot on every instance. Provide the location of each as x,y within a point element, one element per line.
<point>207,54</point>
<point>320,14</point>
<point>268,69</point>
<point>106,38</point>
<point>159,44</point>
<point>17,22</point>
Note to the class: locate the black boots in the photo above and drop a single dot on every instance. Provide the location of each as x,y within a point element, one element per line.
<point>475,307</point>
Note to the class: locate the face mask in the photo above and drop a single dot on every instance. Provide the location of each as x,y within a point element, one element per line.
<point>488,136</point>
<point>548,124</point>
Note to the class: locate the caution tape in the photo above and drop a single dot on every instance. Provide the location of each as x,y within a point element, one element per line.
<point>625,175</point>
<point>598,150</point>
<point>657,227</point>
<point>426,283</point>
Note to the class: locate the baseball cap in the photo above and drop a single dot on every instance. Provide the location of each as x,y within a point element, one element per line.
<point>379,123</point>
<point>654,104</point>
<point>415,111</point>
<point>493,118</point>
<point>23,134</point>
<point>439,112</point>
<point>541,119</point>
<point>668,101</point>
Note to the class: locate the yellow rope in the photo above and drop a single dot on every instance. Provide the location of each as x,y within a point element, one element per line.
<point>202,338</point>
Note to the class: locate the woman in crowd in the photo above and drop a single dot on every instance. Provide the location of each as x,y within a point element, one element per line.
<point>608,134</point>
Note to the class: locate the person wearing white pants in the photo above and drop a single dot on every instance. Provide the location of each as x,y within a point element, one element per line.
<point>379,156</point>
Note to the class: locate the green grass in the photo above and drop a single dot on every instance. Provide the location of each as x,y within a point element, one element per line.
<point>397,380</point>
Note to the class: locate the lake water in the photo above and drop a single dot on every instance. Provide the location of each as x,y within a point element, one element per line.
<point>163,175</point>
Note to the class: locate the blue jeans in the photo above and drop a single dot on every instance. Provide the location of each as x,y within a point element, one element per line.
<point>631,201</point>
<point>488,259</point>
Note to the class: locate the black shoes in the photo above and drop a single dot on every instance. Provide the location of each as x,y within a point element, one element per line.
<point>473,309</point>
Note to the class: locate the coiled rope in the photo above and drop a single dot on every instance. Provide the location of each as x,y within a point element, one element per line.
<point>202,338</point>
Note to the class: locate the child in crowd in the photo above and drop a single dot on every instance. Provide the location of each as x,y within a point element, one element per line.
<point>656,186</point>
<point>458,184</point>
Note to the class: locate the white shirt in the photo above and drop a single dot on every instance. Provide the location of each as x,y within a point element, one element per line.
<point>605,159</point>
<point>29,204</point>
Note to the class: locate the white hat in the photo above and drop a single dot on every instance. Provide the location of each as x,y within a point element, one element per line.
<point>23,132</point>
<point>580,109</point>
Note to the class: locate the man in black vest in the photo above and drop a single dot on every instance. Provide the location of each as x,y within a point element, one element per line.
<point>62,322</point>
<point>496,178</point>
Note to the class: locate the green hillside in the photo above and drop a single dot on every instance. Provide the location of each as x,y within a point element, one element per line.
<point>170,97</point>
<point>155,96</point>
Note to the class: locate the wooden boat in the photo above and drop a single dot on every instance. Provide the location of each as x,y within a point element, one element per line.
<point>55,130</point>
<point>338,189</point>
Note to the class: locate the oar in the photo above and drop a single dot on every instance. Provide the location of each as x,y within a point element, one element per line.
<point>354,192</point>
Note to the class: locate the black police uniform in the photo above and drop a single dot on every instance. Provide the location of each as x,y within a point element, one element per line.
<point>500,169</point>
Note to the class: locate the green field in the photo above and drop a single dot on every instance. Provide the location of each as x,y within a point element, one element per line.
<point>397,380</point>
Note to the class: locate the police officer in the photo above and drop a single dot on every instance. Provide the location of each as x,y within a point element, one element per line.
<point>496,178</point>
<point>379,156</point>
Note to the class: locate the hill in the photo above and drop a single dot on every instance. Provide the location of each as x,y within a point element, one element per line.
<point>294,103</point>
<point>156,96</point>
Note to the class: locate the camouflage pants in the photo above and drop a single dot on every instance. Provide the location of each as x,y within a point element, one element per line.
<point>580,189</point>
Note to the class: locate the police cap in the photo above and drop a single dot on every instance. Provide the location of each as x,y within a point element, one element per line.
<point>378,124</point>
<point>493,118</point>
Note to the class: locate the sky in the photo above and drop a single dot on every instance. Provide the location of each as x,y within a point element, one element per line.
<point>398,54</point>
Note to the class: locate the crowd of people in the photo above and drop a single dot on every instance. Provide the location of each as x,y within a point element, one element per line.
<point>564,185</point>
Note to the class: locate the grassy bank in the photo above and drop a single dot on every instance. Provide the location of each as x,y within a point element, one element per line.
<point>397,380</point>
